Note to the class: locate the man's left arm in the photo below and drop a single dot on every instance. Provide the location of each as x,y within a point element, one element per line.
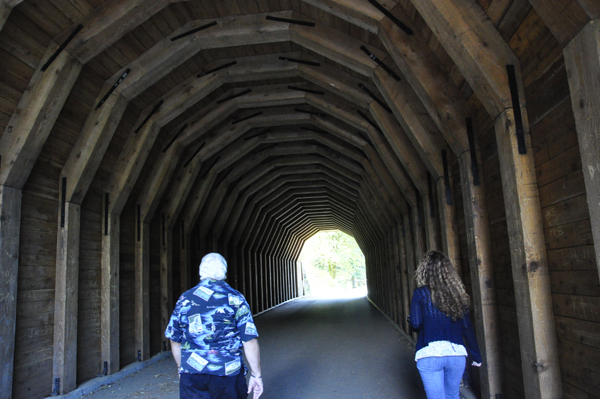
<point>176,349</point>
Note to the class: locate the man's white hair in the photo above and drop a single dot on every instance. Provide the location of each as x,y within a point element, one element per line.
<point>213,267</point>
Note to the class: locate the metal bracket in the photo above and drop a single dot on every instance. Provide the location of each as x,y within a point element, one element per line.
<point>391,16</point>
<point>514,94</point>
<point>246,118</point>
<point>231,97</point>
<point>291,21</point>
<point>194,155</point>
<point>63,202</point>
<point>191,32</point>
<point>62,47</point>
<point>154,110</point>
<point>380,63</point>
<point>311,63</point>
<point>112,89</point>
<point>448,189</point>
<point>227,65</point>
<point>174,138</point>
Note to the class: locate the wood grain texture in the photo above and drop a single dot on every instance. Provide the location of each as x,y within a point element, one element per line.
<point>66,302</point>
<point>582,58</point>
<point>10,221</point>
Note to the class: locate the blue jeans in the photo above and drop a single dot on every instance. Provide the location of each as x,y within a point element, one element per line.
<point>441,376</point>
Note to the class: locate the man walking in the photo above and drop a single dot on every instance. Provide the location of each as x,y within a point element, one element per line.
<point>208,327</point>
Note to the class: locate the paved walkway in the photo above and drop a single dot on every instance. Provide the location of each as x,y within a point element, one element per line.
<point>311,349</point>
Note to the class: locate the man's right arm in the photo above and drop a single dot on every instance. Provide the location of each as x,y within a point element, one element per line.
<point>252,352</point>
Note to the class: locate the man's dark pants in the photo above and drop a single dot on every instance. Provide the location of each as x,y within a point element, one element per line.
<point>204,386</point>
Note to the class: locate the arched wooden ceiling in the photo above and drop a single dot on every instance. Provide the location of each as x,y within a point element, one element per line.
<point>253,124</point>
<point>327,93</point>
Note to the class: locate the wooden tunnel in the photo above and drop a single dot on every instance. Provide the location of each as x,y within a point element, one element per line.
<point>137,135</point>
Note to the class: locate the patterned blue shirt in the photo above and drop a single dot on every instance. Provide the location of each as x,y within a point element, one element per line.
<point>211,321</point>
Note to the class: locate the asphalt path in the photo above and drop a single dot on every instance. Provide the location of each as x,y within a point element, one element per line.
<point>335,348</point>
<point>311,349</point>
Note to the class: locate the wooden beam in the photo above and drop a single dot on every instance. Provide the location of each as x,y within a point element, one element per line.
<point>582,59</point>
<point>110,302</point>
<point>10,228</point>
<point>429,220</point>
<point>537,334</point>
<point>591,7</point>
<point>108,23</point>
<point>449,225</point>
<point>416,124</point>
<point>565,19</point>
<point>90,147</point>
<point>34,118</point>
<point>129,165</point>
<point>159,179</point>
<point>482,277</point>
<point>477,48</point>
<point>142,290</point>
<point>66,298</point>
<point>166,282</point>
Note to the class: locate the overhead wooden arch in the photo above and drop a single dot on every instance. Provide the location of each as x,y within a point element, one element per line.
<point>409,139</point>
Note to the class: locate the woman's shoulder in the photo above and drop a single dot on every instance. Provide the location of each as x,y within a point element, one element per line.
<point>422,291</point>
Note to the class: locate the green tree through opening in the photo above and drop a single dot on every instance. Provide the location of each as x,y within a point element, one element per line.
<point>333,265</point>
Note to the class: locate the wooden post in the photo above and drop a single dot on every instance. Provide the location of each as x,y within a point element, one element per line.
<point>142,290</point>
<point>431,233</point>
<point>418,226</point>
<point>582,59</point>
<point>404,272</point>
<point>450,238</point>
<point>482,279</point>
<point>409,235</point>
<point>185,259</point>
<point>66,297</point>
<point>109,305</point>
<point>166,283</point>
<point>10,227</point>
<point>537,333</point>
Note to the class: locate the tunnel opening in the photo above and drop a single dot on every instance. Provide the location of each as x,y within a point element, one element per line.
<point>333,266</point>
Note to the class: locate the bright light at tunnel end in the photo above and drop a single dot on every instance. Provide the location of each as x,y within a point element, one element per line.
<point>332,267</point>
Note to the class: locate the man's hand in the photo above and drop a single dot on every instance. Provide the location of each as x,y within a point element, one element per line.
<point>256,386</point>
<point>252,351</point>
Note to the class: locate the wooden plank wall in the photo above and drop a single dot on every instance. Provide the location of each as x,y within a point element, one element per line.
<point>573,270</point>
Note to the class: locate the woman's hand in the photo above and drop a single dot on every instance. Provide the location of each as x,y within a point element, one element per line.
<point>476,364</point>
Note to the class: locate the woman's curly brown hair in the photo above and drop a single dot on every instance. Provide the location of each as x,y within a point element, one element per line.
<point>448,292</point>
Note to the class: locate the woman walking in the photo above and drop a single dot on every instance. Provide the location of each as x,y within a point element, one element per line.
<point>439,313</point>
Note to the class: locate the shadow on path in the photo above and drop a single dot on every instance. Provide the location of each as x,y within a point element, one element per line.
<point>311,349</point>
<point>335,348</point>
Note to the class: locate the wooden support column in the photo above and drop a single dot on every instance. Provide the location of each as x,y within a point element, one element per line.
<point>582,59</point>
<point>109,305</point>
<point>537,333</point>
<point>66,297</point>
<point>409,235</point>
<point>449,226</point>
<point>401,238</point>
<point>418,234</point>
<point>431,231</point>
<point>166,283</point>
<point>482,279</point>
<point>10,227</point>
<point>142,291</point>
<point>20,146</point>
<point>185,260</point>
